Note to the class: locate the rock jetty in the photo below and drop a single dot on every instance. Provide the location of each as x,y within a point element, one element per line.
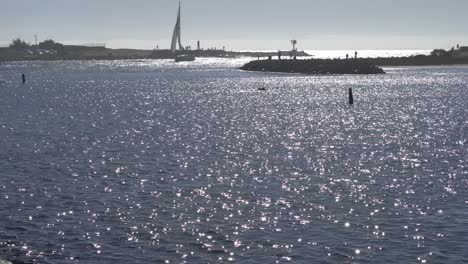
<point>314,66</point>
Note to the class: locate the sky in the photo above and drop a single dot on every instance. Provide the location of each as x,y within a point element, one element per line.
<point>241,24</point>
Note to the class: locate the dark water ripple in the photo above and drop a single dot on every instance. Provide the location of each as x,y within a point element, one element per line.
<point>153,162</point>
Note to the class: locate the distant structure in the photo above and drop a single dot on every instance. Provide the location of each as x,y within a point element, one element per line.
<point>294,49</point>
<point>294,43</point>
<point>198,45</point>
<point>94,45</point>
<point>460,52</point>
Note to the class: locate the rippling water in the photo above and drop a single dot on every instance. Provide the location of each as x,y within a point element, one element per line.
<point>157,162</point>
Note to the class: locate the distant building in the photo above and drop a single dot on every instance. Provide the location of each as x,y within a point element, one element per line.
<point>94,45</point>
<point>461,52</point>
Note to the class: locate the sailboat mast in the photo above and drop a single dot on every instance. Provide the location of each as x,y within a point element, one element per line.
<point>175,34</point>
<point>178,22</point>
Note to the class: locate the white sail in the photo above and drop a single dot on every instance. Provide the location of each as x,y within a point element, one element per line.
<point>176,35</point>
<point>174,40</point>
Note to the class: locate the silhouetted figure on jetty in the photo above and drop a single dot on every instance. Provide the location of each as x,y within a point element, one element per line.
<point>347,56</point>
<point>279,54</point>
<point>355,54</point>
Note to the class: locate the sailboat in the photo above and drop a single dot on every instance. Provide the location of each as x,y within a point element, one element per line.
<point>176,39</point>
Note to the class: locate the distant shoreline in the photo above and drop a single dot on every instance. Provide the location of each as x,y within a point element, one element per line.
<point>441,58</point>
<point>101,53</point>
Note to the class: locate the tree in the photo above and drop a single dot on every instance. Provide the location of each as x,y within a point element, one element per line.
<point>19,44</point>
<point>294,42</point>
<point>50,44</point>
<point>47,44</point>
<point>439,52</point>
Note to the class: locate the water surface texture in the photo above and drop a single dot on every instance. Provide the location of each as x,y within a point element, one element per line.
<point>156,162</point>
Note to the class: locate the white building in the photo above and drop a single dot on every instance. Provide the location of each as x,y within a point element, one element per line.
<point>461,52</point>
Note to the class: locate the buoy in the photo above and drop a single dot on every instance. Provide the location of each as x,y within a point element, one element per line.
<point>23,77</point>
<point>351,98</point>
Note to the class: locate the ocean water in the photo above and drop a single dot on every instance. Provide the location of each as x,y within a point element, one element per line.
<point>156,162</point>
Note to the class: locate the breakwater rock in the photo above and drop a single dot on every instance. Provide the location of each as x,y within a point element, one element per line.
<point>314,66</point>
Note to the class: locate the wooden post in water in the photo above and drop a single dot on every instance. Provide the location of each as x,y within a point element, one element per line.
<point>351,98</point>
<point>23,77</point>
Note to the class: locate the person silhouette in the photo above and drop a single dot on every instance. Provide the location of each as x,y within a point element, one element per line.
<point>355,54</point>
<point>347,56</point>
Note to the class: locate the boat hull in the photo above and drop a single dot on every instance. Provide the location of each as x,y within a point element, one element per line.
<point>184,58</point>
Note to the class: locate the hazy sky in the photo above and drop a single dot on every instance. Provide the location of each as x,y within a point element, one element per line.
<point>241,24</point>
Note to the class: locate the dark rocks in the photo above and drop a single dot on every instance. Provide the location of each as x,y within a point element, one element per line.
<point>314,66</point>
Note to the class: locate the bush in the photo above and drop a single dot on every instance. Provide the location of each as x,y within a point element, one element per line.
<point>19,44</point>
<point>438,52</point>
